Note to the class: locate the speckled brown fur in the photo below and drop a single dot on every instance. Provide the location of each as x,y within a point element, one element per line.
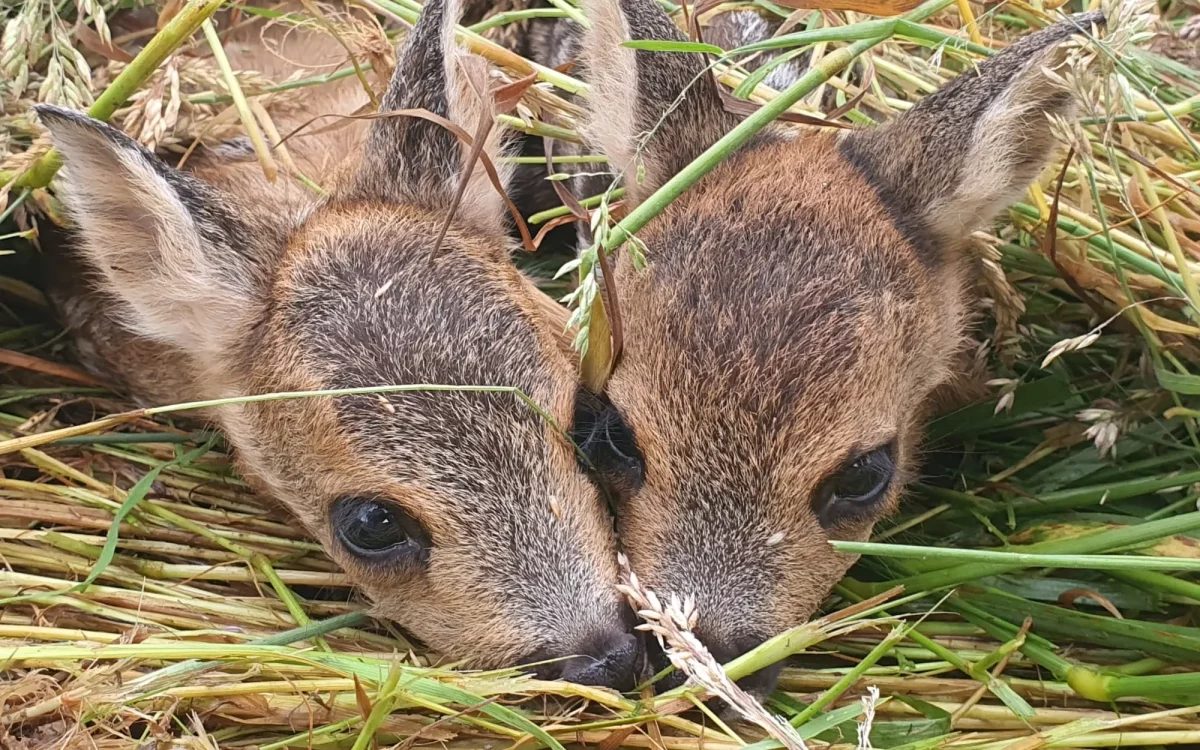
<point>800,305</point>
<point>212,284</point>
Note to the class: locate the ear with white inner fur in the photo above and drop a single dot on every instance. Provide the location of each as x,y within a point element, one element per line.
<point>415,161</point>
<point>948,165</point>
<point>175,250</point>
<point>636,92</point>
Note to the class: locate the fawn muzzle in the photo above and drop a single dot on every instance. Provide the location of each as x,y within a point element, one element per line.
<point>611,658</point>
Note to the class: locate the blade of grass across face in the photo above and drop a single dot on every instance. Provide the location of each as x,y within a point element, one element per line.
<point>50,436</point>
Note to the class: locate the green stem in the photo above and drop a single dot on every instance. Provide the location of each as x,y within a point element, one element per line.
<point>583,159</point>
<point>409,10</point>
<point>997,685</point>
<point>173,673</point>
<point>571,12</point>
<point>1180,689</point>
<point>592,202</point>
<point>132,438</point>
<point>1103,241</point>
<point>254,559</point>
<point>537,127</point>
<point>1039,651</point>
<point>848,679</point>
<point>759,119</point>
<point>1141,667</point>
<point>385,699</point>
<point>1183,688</point>
<point>513,16</point>
<point>1023,559</point>
<point>1160,582</point>
<point>903,27</point>
<point>1082,497</point>
<point>1085,544</point>
<point>158,49</point>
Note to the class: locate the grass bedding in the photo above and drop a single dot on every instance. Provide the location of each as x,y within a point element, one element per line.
<point>147,597</point>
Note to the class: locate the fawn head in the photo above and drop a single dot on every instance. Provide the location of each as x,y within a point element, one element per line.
<point>799,305</point>
<point>464,514</point>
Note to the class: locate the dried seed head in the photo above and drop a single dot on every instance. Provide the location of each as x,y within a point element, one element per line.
<point>869,702</point>
<point>672,626</point>
<point>1071,345</point>
<point>1105,430</point>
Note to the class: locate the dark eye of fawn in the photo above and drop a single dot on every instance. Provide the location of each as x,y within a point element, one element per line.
<point>857,488</point>
<point>376,529</point>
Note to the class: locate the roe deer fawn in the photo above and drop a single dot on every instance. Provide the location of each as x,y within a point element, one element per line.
<point>800,304</point>
<point>463,515</point>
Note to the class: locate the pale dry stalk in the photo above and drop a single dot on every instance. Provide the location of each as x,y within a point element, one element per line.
<point>672,625</point>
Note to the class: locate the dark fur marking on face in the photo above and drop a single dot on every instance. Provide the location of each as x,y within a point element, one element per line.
<point>905,213</point>
<point>357,337</point>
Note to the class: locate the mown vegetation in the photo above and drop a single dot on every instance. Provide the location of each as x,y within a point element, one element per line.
<point>146,595</point>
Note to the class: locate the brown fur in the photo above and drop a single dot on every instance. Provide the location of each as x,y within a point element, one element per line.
<point>800,304</point>
<point>215,284</point>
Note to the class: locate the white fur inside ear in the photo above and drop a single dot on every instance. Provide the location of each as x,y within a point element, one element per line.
<point>612,76</point>
<point>144,242</point>
<point>1010,145</point>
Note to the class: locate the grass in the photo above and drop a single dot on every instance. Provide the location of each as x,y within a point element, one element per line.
<point>1048,555</point>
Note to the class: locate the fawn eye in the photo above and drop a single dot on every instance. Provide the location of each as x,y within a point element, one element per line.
<point>608,444</point>
<point>376,529</point>
<point>857,488</point>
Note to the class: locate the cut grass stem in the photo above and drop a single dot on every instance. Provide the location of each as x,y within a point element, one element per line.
<point>944,555</point>
<point>177,31</point>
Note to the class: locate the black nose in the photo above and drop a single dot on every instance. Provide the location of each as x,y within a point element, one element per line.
<point>760,684</point>
<point>608,660</point>
<point>613,664</point>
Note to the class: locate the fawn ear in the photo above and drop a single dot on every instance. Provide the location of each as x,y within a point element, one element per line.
<point>948,165</point>
<point>667,97</point>
<point>415,161</point>
<point>174,250</point>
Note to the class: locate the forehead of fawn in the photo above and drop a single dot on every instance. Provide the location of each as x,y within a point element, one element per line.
<point>800,304</point>
<point>463,515</point>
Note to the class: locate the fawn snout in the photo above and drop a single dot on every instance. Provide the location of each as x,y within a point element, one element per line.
<point>609,658</point>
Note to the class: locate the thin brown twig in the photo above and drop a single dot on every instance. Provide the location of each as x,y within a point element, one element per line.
<point>1050,243</point>
<point>45,367</point>
<point>424,114</point>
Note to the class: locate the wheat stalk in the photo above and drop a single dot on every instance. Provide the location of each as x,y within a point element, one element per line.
<point>673,626</point>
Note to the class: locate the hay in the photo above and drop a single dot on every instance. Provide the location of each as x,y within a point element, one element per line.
<point>208,620</point>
